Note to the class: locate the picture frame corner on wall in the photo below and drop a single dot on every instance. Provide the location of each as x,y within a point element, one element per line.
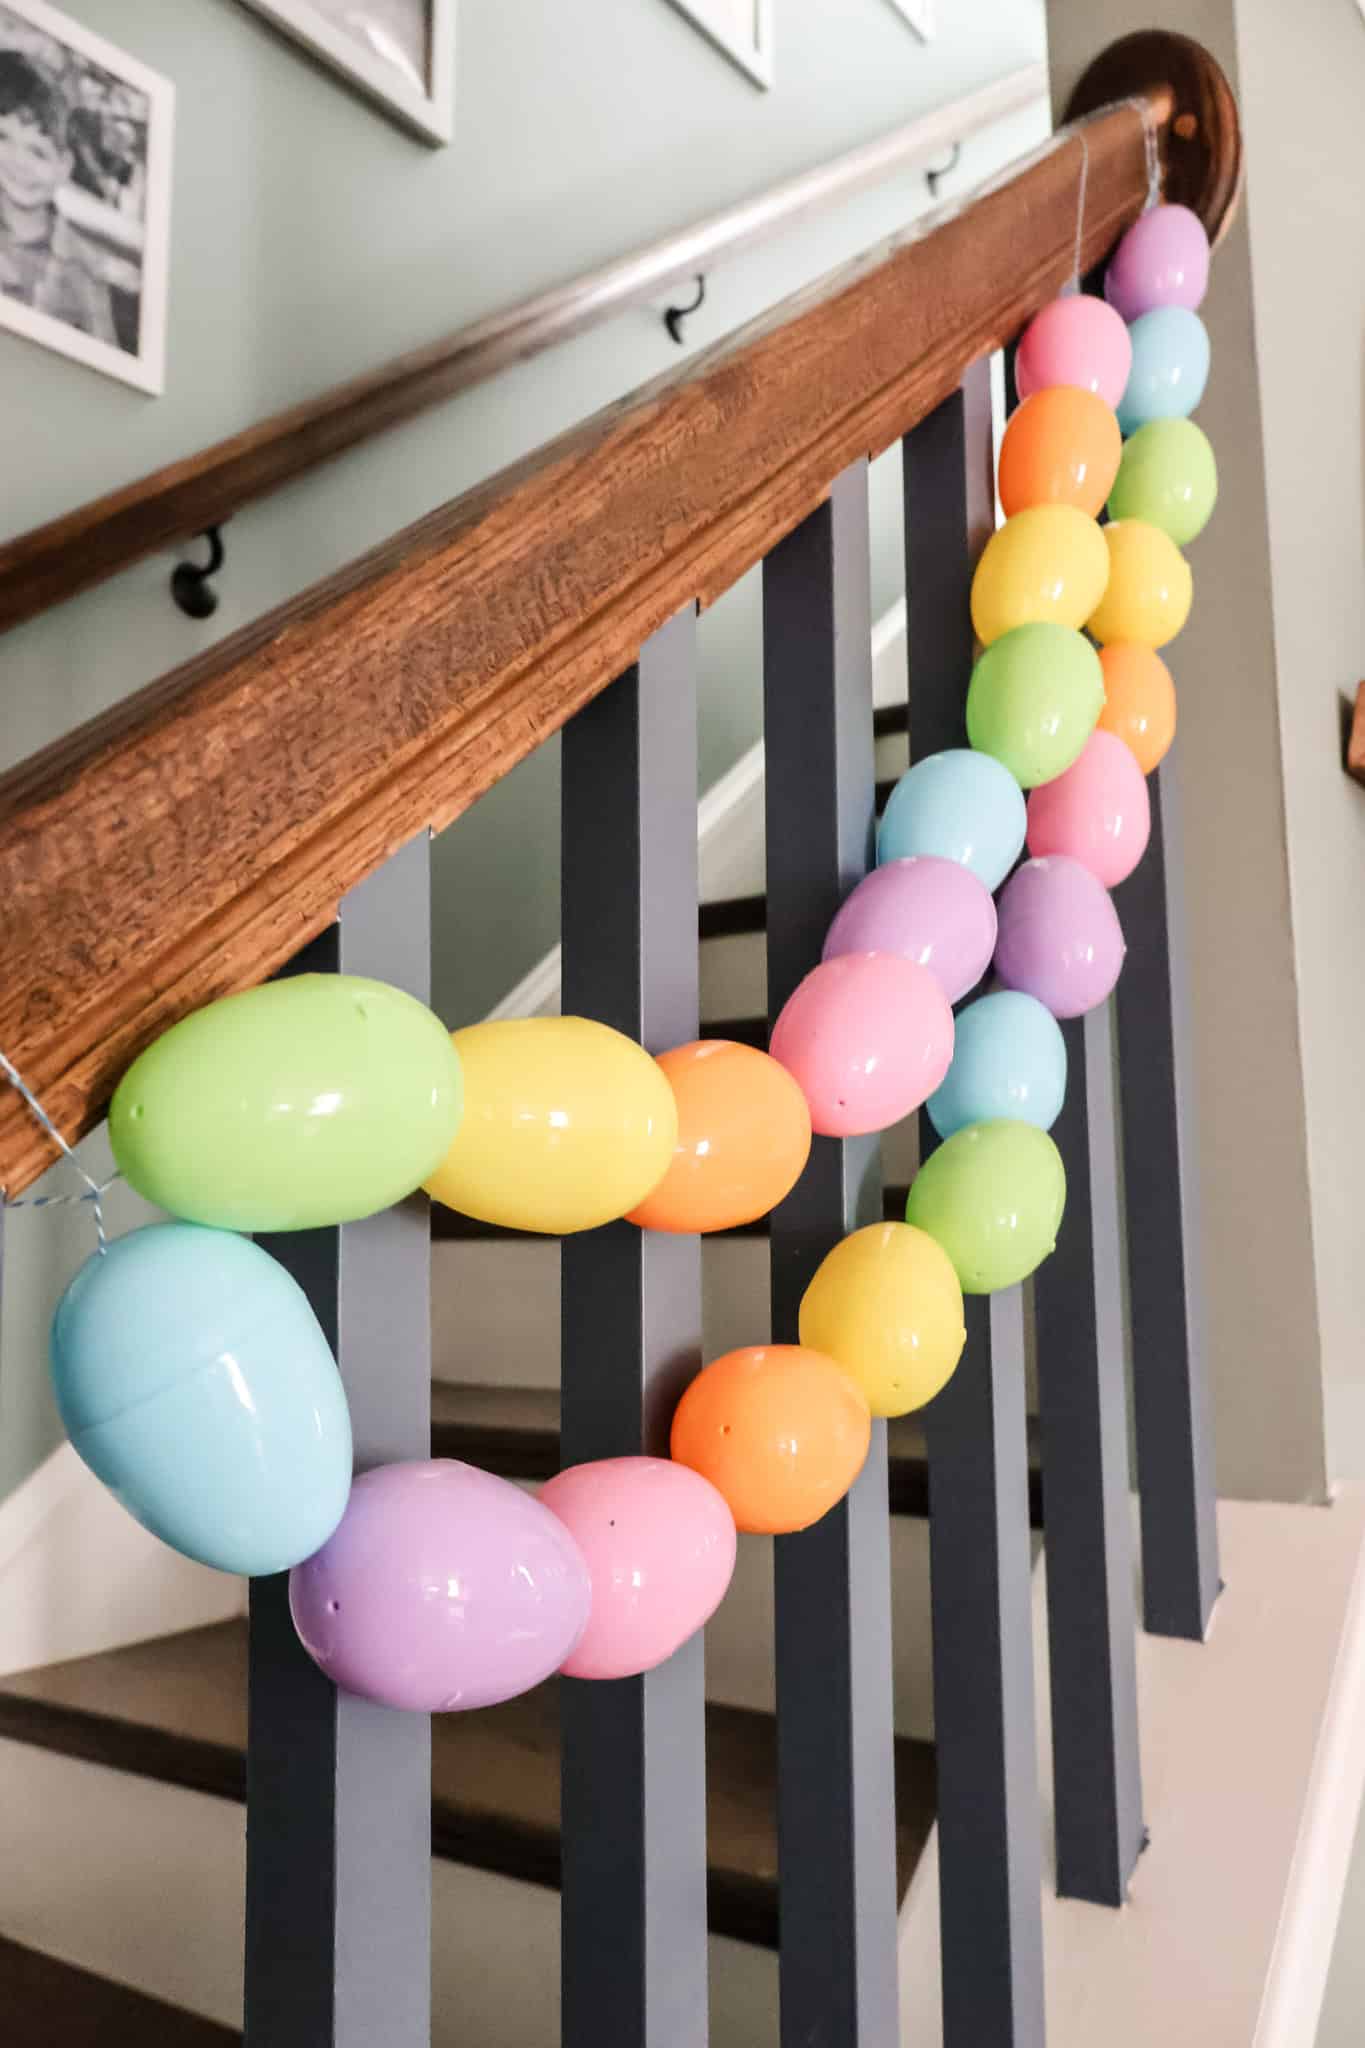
<point>398,54</point>
<point>920,16</point>
<point>742,30</point>
<point>86,138</point>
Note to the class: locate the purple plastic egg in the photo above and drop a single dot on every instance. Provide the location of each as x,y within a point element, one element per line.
<point>867,1037</point>
<point>659,1541</point>
<point>1163,260</point>
<point>932,911</point>
<point>442,1588</point>
<point>1060,938</point>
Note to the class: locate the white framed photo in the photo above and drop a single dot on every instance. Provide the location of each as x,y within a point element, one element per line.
<point>85,195</point>
<point>919,14</point>
<point>399,53</point>
<point>742,29</point>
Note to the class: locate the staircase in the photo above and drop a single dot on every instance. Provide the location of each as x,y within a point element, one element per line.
<point>173,1710</point>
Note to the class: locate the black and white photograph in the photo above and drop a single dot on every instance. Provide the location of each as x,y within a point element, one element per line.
<point>85,161</point>
<point>399,53</point>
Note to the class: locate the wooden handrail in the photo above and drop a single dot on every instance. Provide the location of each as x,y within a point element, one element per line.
<point>83,548</point>
<point>189,841</point>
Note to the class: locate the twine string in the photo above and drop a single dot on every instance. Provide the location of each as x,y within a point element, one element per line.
<point>1075,283</point>
<point>94,1190</point>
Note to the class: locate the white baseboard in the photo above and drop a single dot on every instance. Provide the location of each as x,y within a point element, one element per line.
<point>729,823</point>
<point>78,1575</point>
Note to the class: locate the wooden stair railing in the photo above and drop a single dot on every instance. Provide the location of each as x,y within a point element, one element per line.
<point>188,842</point>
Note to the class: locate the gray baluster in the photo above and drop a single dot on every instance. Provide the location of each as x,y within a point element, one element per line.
<point>1170,1365</point>
<point>990,1878</point>
<point>836,1794</point>
<point>634,1781</point>
<point>1092,1617</point>
<point>338,1904</point>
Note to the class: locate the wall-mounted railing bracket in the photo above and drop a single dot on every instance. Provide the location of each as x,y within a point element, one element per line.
<point>191,586</point>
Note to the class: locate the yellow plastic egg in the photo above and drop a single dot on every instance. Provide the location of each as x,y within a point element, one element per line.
<point>886,1305</point>
<point>1150,587</point>
<point>567,1125</point>
<point>1045,566</point>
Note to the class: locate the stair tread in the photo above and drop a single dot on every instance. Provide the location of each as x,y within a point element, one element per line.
<point>448,1225</point>
<point>175,1709</point>
<point>727,917</point>
<point>514,1431</point>
<point>45,2000</point>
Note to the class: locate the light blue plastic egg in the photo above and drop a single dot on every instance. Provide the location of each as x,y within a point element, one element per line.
<point>960,805</point>
<point>1009,1060</point>
<point>194,1379</point>
<point>1170,367</point>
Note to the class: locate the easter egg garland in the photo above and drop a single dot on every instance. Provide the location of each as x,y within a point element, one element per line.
<point>189,1369</point>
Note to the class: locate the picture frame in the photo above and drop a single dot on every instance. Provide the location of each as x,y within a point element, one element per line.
<point>86,139</point>
<point>920,15</point>
<point>741,29</point>
<point>373,44</point>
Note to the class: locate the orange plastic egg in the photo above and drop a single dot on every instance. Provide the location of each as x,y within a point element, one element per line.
<point>743,1138</point>
<point>779,1430</point>
<point>1061,447</point>
<point>1139,701</point>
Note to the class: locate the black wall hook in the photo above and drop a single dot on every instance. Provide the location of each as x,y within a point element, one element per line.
<point>674,317</point>
<point>191,588</point>
<point>931,178</point>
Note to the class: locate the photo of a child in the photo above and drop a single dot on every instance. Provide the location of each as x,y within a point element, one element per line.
<point>83,211</point>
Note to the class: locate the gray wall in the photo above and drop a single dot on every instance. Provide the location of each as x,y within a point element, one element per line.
<point>311,240</point>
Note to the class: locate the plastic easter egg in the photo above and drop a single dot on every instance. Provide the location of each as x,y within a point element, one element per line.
<point>193,1379</point>
<point>1033,700</point>
<point>1150,588</point>
<point>1170,368</point>
<point>885,1304</point>
<point>868,1038</point>
<point>1169,478</point>
<point>927,909</point>
<point>781,1433</point>
<point>442,1589</point>
<point>1076,340</point>
<point>957,805</point>
<point>743,1139</point>
<point>660,1548</point>
<point>1139,702</point>
<point>1163,260</point>
<point>1097,812</point>
<point>1046,565</point>
<point>1009,1060</point>
<point>1060,937</point>
<point>308,1101</point>
<point>1061,447</point>
<point>567,1125</point>
<point>992,1196</point>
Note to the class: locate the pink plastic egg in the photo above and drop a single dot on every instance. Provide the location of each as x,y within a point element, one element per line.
<point>1060,938</point>
<point>659,1542</point>
<point>1097,811</point>
<point>935,912</point>
<point>868,1037</point>
<point>442,1587</point>
<point>1077,340</point>
<point>1163,260</point>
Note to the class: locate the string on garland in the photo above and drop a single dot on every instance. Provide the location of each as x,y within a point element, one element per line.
<point>94,1190</point>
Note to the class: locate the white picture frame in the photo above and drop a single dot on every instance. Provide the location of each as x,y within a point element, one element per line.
<point>424,106</point>
<point>741,29</point>
<point>90,280</point>
<point>920,15</point>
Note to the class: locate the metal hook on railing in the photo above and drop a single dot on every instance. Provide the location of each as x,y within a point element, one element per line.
<point>190,586</point>
<point>932,177</point>
<point>674,317</point>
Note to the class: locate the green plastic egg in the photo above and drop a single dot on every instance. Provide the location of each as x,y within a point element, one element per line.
<point>1167,477</point>
<point>309,1101</point>
<point>992,1196</point>
<point>1033,701</point>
